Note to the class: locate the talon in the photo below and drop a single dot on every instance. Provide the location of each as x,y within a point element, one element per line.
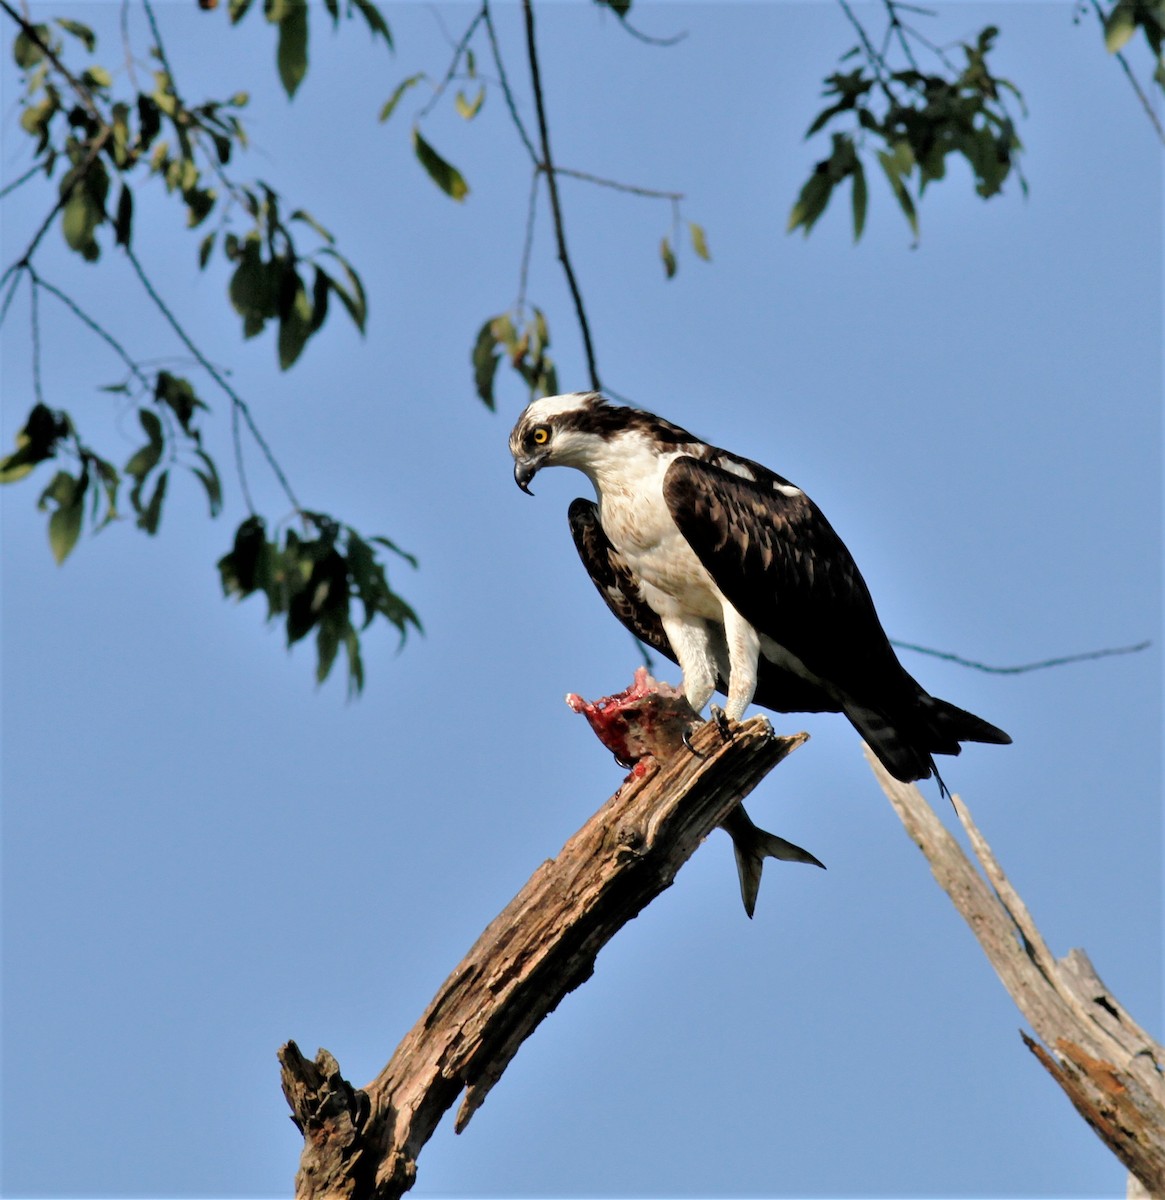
<point>686,738</point>
<point>625,763</point>
<point>718,715</point>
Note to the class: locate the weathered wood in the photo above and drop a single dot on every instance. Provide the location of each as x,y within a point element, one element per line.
<point>1109,1067</point>
<point>365,1143</point>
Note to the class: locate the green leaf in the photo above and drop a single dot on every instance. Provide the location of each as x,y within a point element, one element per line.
<point>377,25</point>
<point>152,424</point>
<point>331,630</point>
<point>65,528</point>
<point>68,494</point>
<point>206,248</point>
<point>355,662</point>
<point>151,515</point>
<point>812,201</point>
<point>123,224</point>
<point>699,241</point>
<point>208,476</point>
<point>388,544</point>
<point>237,10</point>
<point>25,49</point>
<point>306,217</point>
<point>79,31</point>
<point>469,108</point>
<point>443,174</point>
<point>291,56</point>
<point>250,288</point>
<point>179,396</point>
<point>295,325</point>
<point>35,443</point>
<point>96,78</point>
<point>239,570</point>
<point>79,219</point>
<point>668,256</point>
<point>860,197</point>
<point>199,205</point>
<point>401,88</point>
<point>891,164</point>
<point>486,357</point>
<point>352,296</point>
<point>1119,26</point>
<point>321,285</point>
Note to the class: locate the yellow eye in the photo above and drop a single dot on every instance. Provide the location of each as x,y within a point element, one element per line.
<point>541,435</point>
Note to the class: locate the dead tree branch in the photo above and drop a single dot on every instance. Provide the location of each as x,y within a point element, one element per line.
<point>361,1144</point>
<point>1109,1067</point>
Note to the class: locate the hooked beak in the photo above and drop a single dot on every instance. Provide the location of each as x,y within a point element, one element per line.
<point>525,469</point>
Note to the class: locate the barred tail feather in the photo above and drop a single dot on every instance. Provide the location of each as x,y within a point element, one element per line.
<point>906,746</point>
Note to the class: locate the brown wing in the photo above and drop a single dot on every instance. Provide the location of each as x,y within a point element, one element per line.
<point>777,689</point>
<point>779,562</point>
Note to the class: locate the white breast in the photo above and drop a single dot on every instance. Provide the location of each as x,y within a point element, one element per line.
<point>636,518</point>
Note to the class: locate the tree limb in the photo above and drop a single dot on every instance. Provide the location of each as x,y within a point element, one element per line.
<point>1109,1067</point>
<point>361,1144</point>
<point>547,165</point>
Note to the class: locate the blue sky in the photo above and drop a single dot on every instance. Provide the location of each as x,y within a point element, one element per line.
<point>205,855</point>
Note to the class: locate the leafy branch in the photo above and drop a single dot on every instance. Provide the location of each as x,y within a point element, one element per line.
<point>520,335</point>
<point>910,120</point>
<point>75,117</point>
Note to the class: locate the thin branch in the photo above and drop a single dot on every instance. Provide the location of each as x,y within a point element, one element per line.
<point>10,295</point>
<point>1023,667</point>
<point>127,46</point>
<point>528,243</point>
<point>875,59</point>
<point>651,40</point>
<point>239,404</point>
<point>30,31</point>
<point>899,32</point>
<point>458,50</point>
<point>507,92</point>
<point>630,189</point>
<point>555,207</point>
<point>35,169</point>
<point>79,173</point>
<point>91,324</point>
<point>34,320</point>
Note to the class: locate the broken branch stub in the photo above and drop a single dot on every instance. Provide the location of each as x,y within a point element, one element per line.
<point>364,1143</point>
<point>1109,1067</point>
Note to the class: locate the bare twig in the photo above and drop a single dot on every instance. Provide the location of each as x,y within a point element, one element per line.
<point>1022,668</point>
<point>364,1143</point>
<point>631,189</point>
<point>651,39</point>
<point>899,32</point>
<point>34,322</point>
<point>547,163</point>
<point>91,324</point>
<point>507,91</point>
<point>528,241</point>
<point>35,169</point>
<point>458,50</point>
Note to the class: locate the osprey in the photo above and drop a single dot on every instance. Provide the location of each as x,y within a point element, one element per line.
<point>733,572</point>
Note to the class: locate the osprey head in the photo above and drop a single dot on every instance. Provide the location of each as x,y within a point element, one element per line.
<point>553,431</point>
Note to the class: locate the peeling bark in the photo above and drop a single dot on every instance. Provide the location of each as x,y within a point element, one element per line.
<point>1108,1066</point>
<point>361,1143</point>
